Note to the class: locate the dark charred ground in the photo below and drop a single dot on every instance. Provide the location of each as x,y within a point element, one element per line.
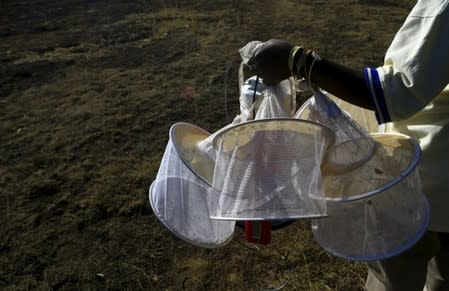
<point>88,91</point>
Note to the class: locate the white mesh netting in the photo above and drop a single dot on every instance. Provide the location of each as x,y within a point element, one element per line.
<point>270,169</point>
<point>276,167</point>
<point>393,213</point>
<point>182,200</point>
<point>353,146</point>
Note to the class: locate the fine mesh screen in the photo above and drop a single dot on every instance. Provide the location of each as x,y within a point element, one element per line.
<point>395,157</point>
<point>273,103</point>
<point>181,199</point>
<point>266,101</point>
<point>364,117</point>
<point>353,146</point>
<point>378,226</point>
<point>187,140</point>
<point>270,169</point>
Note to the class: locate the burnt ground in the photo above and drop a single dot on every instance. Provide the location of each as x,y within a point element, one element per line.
<point>88,91</point>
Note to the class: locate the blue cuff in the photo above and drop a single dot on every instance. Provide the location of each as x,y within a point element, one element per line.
<point>377,95</point>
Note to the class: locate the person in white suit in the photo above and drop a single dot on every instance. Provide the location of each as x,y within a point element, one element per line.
<point>409,94</point>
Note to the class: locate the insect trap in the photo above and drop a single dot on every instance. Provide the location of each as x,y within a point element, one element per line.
<point>181,195</point>
<point>270,167</point>
<point>373,192</point>
<point>377,210</point>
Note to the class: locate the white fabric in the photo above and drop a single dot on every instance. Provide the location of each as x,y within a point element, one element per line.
<point>183,202</point>
<point>416,65</point>
<point>270,169</point>
<point>268,102</point>
<point>415,72</point>
<point>353,146</point>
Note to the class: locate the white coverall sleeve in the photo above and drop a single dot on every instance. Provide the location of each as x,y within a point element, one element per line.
<point>416,67</point>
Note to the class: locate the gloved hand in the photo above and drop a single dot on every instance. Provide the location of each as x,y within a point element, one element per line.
<point>270,61</point>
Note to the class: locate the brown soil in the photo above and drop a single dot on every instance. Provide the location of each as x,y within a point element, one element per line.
<point>88,91</point>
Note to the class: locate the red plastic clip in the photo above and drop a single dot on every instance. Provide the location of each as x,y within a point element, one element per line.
<point>258,232</point>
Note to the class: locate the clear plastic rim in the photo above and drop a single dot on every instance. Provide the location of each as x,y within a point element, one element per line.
<point>178,151</point>
<point>281,218</point>
<point>303,107</point>
<point>405,173</point>
<point>410,243</point>
<point>330,133</point>
<point>176,233</point>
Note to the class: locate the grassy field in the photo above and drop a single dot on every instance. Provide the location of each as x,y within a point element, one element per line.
<point>88,91</point>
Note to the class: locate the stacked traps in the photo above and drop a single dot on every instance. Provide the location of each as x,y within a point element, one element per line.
<point>375,205</point>
<point>285,168</point>
<point>256,170</point>
<point>190,188</point>
<point>182,195</point>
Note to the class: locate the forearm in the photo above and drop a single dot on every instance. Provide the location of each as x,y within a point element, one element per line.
<point>341,81</point>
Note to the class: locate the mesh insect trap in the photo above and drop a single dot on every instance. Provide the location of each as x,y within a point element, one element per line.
<point>353,146</point>
<point>269,169</point>
<point>181,196</point>
<point>377,210</point>
<point>362,191</point>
